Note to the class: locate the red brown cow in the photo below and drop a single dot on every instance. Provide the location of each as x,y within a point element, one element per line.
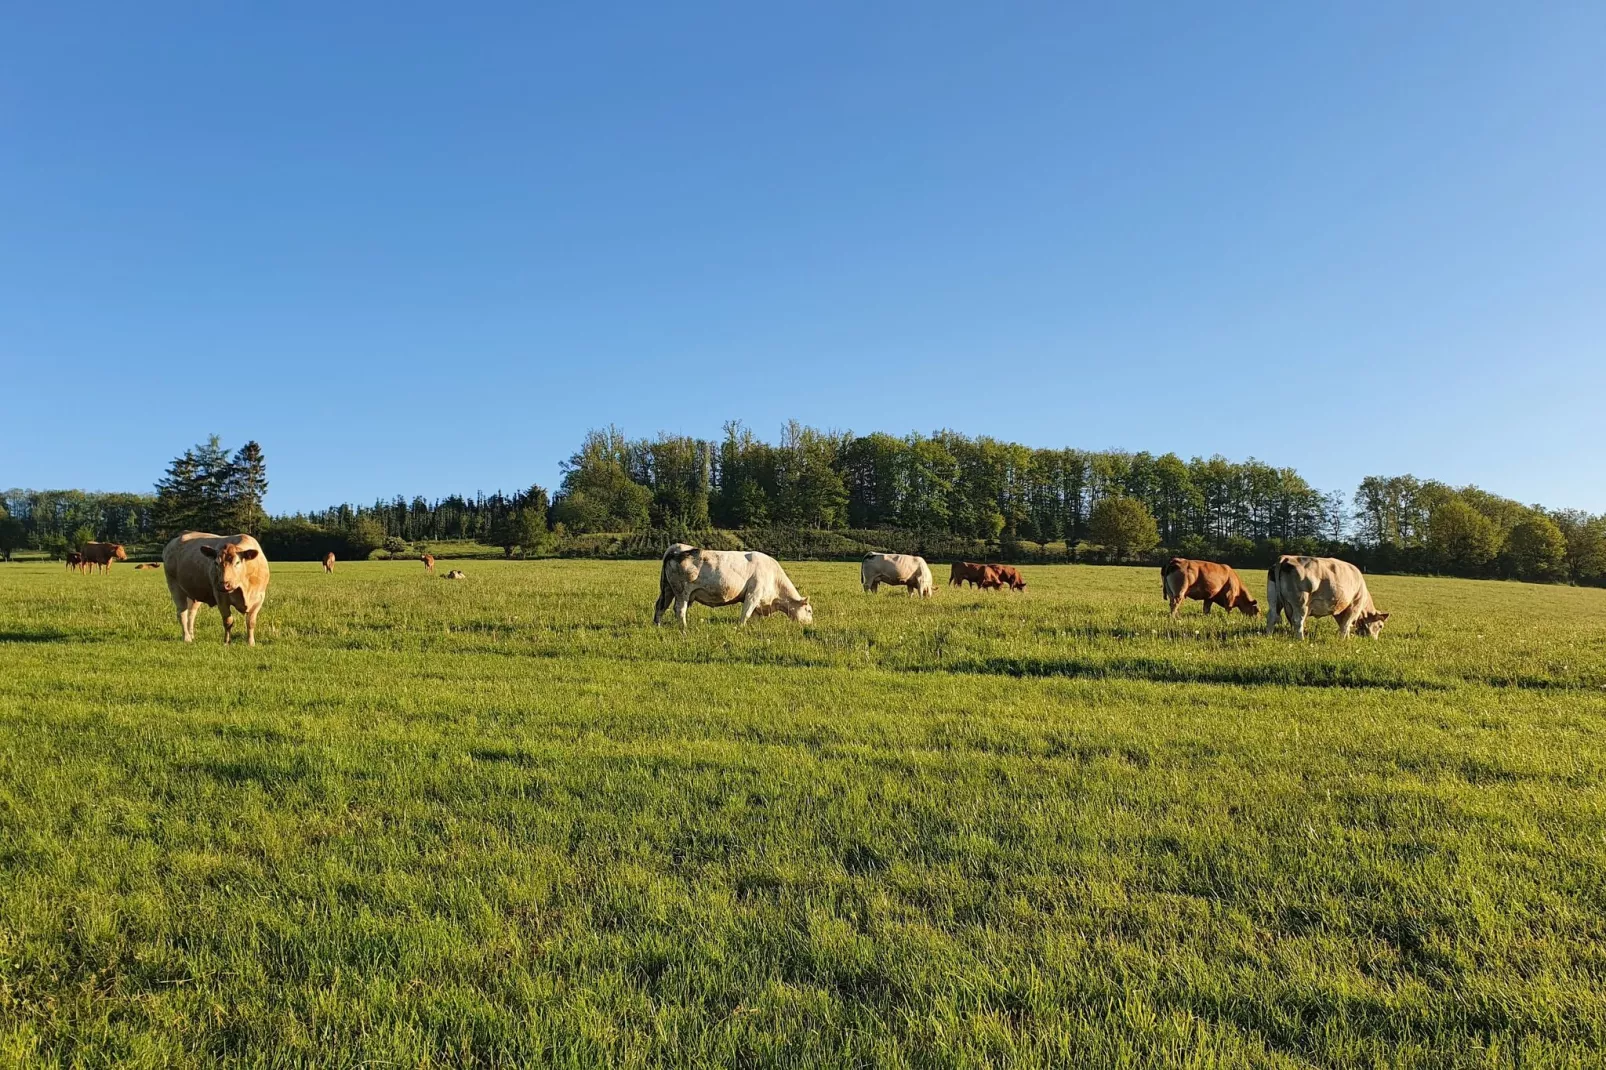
<point>1207,582</point>
<point>1011,578</point>
<point>102,554</point>
<point>984,576</point>
<point>329,561</point>
<point>429,562</point>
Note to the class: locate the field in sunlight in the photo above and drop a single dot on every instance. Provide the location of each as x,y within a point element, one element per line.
<point>507,822</point>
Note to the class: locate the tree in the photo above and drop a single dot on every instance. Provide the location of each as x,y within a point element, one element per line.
<point>365,535</point>
<point>84,534</point>
<point>206,490</point>
<point>1123,524</point>
<point>1586,544</point>
<point>1461,539</point>
<point>246,484</point>
<point>598,493</point>
<point>13,536</point>
<point>1536,551</point>
<point>395,546</point>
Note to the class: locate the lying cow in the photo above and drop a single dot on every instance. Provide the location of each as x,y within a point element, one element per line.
<point>329,561</point>
<point>146,565</point>
<point>229,572</point>
<point>726,577</point>
<point>984,576</point>
<point>896,570</point>
<point>1208,582</point>
<point>1300,588</point>
<point>100,555</point>
<point>456,574</point>
<point>1010,577</point>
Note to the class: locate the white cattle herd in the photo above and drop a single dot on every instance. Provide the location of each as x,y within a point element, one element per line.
<point>231,572</point>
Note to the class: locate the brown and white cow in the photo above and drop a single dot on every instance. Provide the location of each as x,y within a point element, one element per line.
<point>726,577</point>
<point>456,574</point>
<point>329,561</point>
<point>229,572</point>
<point>100,555</point>
<point>896,570</point>
<point>1182,578</point>
<point>429,562</point>
<point>1301,588</point>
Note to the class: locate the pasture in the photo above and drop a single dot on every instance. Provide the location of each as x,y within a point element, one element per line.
<point>506,822</point>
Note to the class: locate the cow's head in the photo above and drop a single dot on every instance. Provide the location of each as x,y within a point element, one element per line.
<point>229,564</point>
<point>120,553</point>
<point>1371,625</point>
<point>1247,605</point>
<point>801,611</point>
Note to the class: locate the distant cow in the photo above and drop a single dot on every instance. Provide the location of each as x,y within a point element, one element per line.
<point>1010,576</point>
<point>100,555</point>
<point>429,563</point>
<point>1205,581</point>
<point>229,572</point>
<point>896,570</point>
<point>666,596</point>
<point>75,560</point>
<point>1300,588</point>
<point>147,564</point>
<point>726,577</point>
<point>329,561</point>
<point>984,576</point>
<point>456,574</point>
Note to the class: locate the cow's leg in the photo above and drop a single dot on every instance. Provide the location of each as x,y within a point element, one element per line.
<point>681,606</point>
<point>1345,621</point>
<point>251,625</point>
<point>189,621</point>
<point>1299,614</point>
<point>1207,607</point>
<point>749,607</point>
<point>185,608</point>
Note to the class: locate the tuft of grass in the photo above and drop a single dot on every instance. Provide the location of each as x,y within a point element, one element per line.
<point>507,822</point>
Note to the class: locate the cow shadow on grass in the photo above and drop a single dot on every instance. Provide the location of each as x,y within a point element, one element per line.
<point>43,635</point>
<point>1321,674</point>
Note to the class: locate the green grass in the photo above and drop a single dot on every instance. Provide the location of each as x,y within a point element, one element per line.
<point>506,822</point>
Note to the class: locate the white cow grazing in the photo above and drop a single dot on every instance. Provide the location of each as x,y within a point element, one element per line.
<point>725,577</point>
<point>897,570</point>
<point>1300,588</point>
<point>229,572</point>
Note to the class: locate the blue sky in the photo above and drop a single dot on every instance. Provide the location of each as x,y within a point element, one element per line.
<point>413,250</point>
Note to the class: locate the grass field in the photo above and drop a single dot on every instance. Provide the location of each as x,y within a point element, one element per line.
<point>506,822</point>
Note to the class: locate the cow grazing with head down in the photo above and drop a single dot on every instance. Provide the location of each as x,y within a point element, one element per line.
<point>896,570</point>
<point>1205,581</point>
<point>429,562</point>
<point>1010,577</point>
<point>1301,588</point>
<point>329,561</point>
<point>100,555</point>
<point>984,576</point>
<point>229,572</point>
<point>726,577</point>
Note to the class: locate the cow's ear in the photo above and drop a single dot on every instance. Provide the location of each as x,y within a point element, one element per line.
<point>209,551</point>
<point>247,555</point>
<point>1382,617</point>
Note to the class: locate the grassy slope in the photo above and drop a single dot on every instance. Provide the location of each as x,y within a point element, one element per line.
<point>505,821</point>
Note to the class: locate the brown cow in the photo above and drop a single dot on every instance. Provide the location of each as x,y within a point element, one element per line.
<point>75,560</point>
<point>1208,582</point>
<point>1010,575</point>
<point>329,561</point>
<point>145,565</point>
<point>984,576</point>
<point>429,562</point>
<point>102,554</point>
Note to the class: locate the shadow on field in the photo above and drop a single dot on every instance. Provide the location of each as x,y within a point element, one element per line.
<point>1331,674</point>
<point>49,635</point>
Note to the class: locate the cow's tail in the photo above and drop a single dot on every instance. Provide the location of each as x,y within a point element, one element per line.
<point>666,595</point>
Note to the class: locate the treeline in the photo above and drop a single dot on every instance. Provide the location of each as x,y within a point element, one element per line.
<point>943,490</point>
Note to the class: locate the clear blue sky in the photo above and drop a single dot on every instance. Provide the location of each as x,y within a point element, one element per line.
<point>419,250</point>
